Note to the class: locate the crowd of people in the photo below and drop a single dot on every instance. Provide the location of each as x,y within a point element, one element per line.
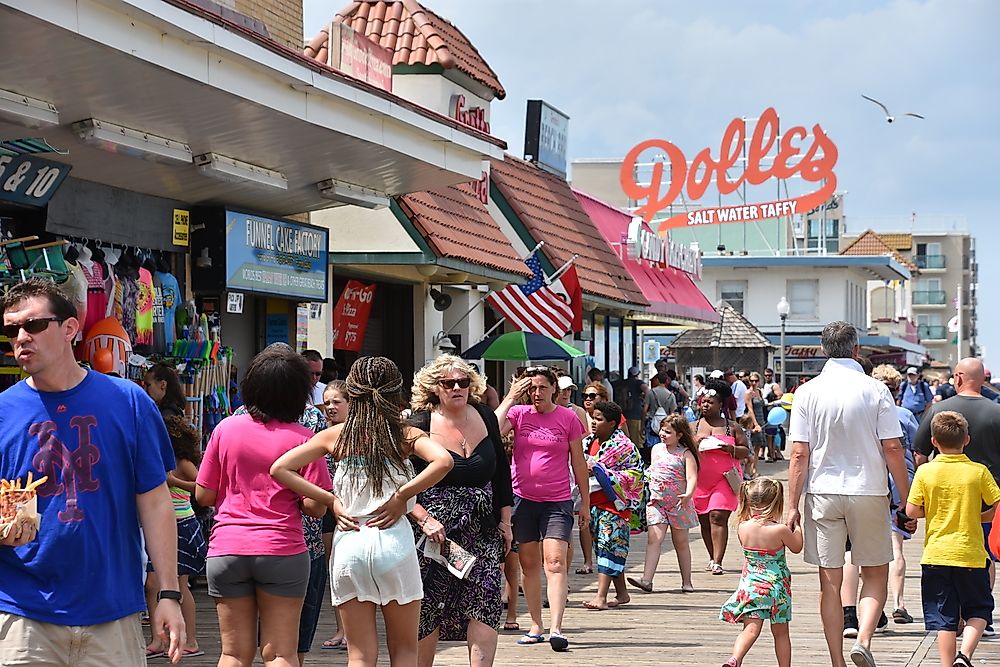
<point>436,502</point>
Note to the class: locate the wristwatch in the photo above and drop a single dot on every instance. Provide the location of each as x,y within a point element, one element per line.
<point>168,595</point>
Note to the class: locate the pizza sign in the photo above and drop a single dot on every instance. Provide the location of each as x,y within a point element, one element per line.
<point>797,152</point>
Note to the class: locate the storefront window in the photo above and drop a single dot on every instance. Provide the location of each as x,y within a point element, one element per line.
<point>599,348</point>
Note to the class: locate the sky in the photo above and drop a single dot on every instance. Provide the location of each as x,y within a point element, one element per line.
<point>680,71</point>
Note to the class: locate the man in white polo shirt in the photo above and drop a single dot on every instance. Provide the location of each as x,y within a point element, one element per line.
<point>844,434</point>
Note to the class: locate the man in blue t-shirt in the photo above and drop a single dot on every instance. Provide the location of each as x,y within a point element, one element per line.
<point>915,395</point>
<point>71,591</point>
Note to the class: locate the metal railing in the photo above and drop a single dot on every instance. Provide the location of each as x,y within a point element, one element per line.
<point>929,261</point>
<point>932,331</point>
<point>933,297</point>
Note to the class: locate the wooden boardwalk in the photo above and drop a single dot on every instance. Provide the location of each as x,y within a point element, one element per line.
<point>665,627</point>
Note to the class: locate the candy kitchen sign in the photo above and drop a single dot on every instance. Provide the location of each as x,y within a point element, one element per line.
<point>811,157</point>
<point>643,244</point>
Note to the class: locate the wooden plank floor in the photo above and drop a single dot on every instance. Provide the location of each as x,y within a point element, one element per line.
<point>665,627</point>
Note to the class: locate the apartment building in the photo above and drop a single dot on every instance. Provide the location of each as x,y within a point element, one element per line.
<point>946,274</point>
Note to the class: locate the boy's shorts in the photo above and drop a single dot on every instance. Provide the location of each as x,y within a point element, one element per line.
<point>950,592</point>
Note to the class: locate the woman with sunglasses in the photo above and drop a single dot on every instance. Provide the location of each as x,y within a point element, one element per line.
<point>722,445</point>
<point>471,506</point>
<point>547,439</point>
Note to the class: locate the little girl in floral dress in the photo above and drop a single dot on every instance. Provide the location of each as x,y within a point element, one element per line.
<point>672,477</point>
<point>765,589</point>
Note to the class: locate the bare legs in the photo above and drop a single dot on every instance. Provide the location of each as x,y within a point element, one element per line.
<point>654,546</point>
<point>187,609</point>
<point>970,640</point>
<point>897,572</point>
<point>279,622</point>
<point>481,639</point>
<point>715,533</point>
<point>751,631</point>
<point>512,577</point>
<point>873,593</point>
<point>401,622</point>
<point>531,556</point>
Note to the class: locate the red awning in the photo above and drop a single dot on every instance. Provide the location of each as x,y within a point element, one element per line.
<point>670,291</point>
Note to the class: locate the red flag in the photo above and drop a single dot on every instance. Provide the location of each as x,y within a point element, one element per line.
<point>567,285</point>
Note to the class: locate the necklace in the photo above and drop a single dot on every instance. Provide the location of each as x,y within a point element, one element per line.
<point>464,445</point>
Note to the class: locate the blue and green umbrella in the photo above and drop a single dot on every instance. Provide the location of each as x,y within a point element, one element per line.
<point>522,346</point>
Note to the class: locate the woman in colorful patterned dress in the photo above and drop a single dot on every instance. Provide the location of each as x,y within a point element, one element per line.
<point>470,506</point>
<point>614,461</point>
<point>765,589</point>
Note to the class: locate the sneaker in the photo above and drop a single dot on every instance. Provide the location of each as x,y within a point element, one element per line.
<point>861,656</point>
<point>883,622</point>
<point>988,632</point>
<point>850,622</point>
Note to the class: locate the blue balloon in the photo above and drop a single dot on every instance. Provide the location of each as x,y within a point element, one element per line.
<point>777,416</point>
<point>689,414</point>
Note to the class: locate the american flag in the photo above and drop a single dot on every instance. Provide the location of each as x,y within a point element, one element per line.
<point>533,306</point>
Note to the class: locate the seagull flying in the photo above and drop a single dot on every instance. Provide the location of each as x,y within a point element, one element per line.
<point>888,116</point>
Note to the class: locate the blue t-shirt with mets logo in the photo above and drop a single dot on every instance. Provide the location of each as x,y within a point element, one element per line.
<point>100,444</point>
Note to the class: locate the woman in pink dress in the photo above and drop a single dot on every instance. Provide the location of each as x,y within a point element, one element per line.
<point>721,446</point>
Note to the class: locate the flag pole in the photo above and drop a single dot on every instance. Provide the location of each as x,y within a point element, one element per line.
<point>562,269</point>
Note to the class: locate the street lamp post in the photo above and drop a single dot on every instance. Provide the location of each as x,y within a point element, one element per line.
<point>783,309</point>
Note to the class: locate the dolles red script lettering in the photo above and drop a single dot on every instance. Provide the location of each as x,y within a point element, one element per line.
<point>815,166</point>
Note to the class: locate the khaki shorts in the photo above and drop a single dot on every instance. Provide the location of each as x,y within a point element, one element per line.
<point>829,520</point>
<point>24,641</point>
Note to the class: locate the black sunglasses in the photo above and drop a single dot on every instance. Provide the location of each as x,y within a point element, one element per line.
<point>451,384</point>
<point>35,326</point>
<point>591,397</point>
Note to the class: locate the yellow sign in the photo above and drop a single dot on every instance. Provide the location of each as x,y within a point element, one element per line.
<point>182,226</point>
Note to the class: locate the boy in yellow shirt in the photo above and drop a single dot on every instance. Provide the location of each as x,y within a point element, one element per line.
<point>951,492</point>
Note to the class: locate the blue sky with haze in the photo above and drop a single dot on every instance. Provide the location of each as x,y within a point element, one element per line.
<point>681,71</point>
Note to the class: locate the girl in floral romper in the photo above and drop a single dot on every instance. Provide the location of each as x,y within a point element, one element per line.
<point>671,478</point>
<point>765,589</point>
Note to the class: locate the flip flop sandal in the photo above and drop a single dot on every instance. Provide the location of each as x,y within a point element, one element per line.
<point>331,644</point>
<point>687,589</point>
<point>593,607</point>
<point>584,570</point>
<point>511,626</point>
<point>640,584</point>
<point>193,652</point>
<point>530,640</point>
<point>558,643</point>
<point>717,569</point>
<point>154,653</point>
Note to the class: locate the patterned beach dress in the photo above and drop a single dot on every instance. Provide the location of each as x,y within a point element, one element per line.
<point>765,589</point>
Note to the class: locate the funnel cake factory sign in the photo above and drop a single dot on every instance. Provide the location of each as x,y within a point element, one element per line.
<point>796,153</point>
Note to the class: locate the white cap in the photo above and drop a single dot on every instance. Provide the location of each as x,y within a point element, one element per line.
<point>716,374</point>
<point>566,382</point>
<point>911,371</point>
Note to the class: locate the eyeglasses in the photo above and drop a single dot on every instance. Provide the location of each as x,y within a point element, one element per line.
<point>35,326</point>
<point>451,383</point>
<point>591,397</point>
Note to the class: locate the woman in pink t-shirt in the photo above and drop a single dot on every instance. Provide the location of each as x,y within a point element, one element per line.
<point>548,438</point>
<point>258,565</point>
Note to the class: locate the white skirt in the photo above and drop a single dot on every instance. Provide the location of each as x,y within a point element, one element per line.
<point>373,565</point>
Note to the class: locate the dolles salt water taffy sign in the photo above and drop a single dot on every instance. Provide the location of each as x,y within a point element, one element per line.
<point>811,157</point>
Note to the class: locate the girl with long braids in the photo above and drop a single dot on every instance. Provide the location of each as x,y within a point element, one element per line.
<point>375,560</point>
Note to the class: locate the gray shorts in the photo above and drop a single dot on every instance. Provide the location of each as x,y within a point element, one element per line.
<point>536,521</point>
<point>242,576</point>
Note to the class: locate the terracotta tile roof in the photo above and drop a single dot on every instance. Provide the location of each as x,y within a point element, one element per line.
<point>546,205</point>
<point>732,330</point>
<point>870,243</point>
<point>898,241</point>
<point>415,35</point>
<point>457,225</point>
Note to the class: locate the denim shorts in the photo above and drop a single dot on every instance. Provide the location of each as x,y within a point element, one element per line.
<point>949,592</point>
<point>536,521</point>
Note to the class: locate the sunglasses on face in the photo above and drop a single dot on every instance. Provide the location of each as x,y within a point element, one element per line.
<point>451,384</point>
<point>35,326</point>
<point>591,397</point>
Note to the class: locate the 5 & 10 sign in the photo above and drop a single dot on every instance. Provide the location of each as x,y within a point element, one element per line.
<point>26,179</point>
